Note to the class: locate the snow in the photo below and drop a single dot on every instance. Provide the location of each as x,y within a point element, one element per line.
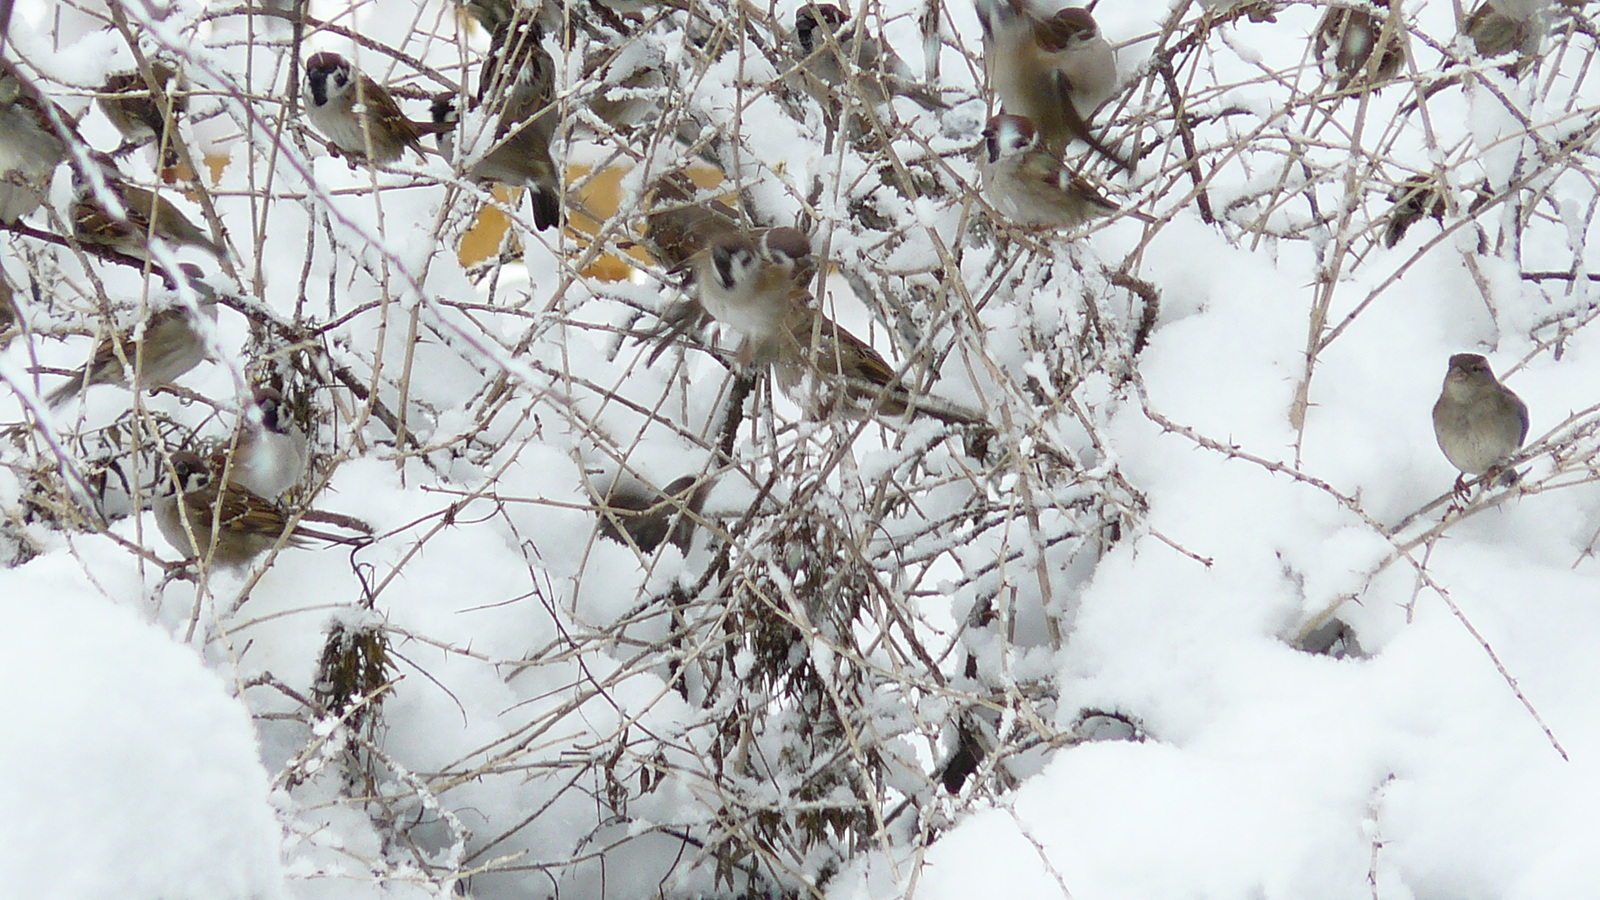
<point>1165,508</point>
<point>132,770</point>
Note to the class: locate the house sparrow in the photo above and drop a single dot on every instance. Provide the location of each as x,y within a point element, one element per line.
<point>633,513</point>
<point>837,57</point>
<point>520,155</point>
<point>1351,41</point>
<point>357,114</point>
<point>271,453</point>
<point>167,346</point>
<point>1029,185</point>
<point>231,526</point>
<point>31,144</point>
<point>126,101</point>
<point>1478,421</point>
<point>144,214</point>
<point>1056,71</point>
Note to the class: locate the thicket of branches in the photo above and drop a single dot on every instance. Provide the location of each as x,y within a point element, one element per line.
<point>853,651</point>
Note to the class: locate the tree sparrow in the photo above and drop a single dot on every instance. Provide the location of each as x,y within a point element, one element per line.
<point>818,364</point>
<point>1498,27</point>
<point>31,144</point>
<point>357,114</point>
<point>1056,71</point>
<point>678,230</point>
<point>1351,42</point>
<point>754,283</point>
<point>1478,421</point>
<point>520,156</point>
<point>1028,183</point>
<point>271,453</point>
<point>679,225</point>
<point>231,526</point>
<point>144,214</point>
<point>167,346</point>
<point>632,512</point>
<point>126,101</point>
<point>834,56</point>
<point>1414,199</point>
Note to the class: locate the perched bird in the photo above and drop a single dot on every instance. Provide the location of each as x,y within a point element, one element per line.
<point>679,225</point>
<point>168,345</point>
<point>144,214</point>
<point>31,143</point>
<point>520,155</point>
<point>270,453</point>
<point>10,313</point>
<point>1478,421</point>
<point>1498,27</point>
<point>357,114</point>
<point>837,57</point>
<point>1054,70</point>
<point>1356,45</point>
<point>678,230</point>
<point>751,281</point>
<point>754,283</point>
<point>126,101</point>
<point>230,526</point>
<point>633,512</point>
<point>630,86</point>
<point>1028,183</point>
<point>826,369</point>
<point>1414,199</point>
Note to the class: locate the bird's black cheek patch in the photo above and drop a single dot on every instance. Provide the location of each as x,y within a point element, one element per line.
<point>724,266</point>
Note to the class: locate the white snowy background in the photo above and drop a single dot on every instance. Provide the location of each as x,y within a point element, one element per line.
<point>1210,437</point>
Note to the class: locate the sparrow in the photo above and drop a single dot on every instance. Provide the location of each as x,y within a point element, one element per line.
<point>754,283</point>
<point>678,229</point>
<point>1478,421</point>
<point>632,513</point>
<point>10,313</point>
<point>144,214</point>
<point>1414,199</point>
<point>629,86</point>
<point>824,368</point>
<point>1028,183</point>
<point>231,526</point>
<point>1350,40</point>
<point>126,101</point>
<point>168,345</point>
<point>1056,71</point>
<point>836,57</point>
<point>1498,27</point>
<point>356,114</point>
<point>270,452</point>
<point>520,156</point>
<point>31,143</point>
<point>757,284</point>
<point>679,225</point>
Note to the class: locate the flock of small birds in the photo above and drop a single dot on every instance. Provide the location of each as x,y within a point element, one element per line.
<point>1049,70</point>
